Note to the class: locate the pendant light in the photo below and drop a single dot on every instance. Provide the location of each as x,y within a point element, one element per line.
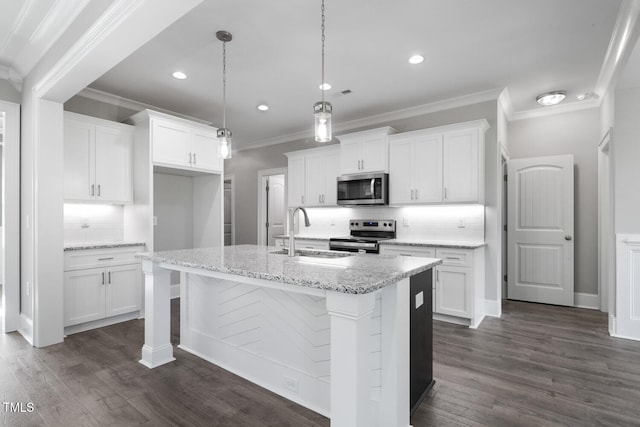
<point>224,134</point>
<point>322,109</point>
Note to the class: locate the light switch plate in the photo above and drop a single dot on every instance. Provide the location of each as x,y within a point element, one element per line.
<point>405,221</point>
<point>419,299</point>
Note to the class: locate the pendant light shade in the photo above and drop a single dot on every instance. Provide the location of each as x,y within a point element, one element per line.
<point>322,109</point>
<point>224,134</point>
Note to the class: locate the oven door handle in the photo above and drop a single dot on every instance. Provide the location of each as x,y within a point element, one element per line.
<point>352,245</point>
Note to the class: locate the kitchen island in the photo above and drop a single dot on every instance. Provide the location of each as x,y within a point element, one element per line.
<point>327,330</point>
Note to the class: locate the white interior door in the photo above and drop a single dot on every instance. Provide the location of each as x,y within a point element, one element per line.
<point>540,230</point>
<point>276,207</point>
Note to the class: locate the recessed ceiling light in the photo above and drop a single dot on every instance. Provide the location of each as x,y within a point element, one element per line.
<point>551,98</point>
<point>416,59</point>
<point>325,86</point>
<point>263,107</point>
<point>179,75</point>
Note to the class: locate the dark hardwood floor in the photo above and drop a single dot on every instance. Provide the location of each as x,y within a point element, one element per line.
<point>538,365</point>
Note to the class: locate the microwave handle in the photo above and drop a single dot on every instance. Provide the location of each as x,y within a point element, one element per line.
<point>373,182</point>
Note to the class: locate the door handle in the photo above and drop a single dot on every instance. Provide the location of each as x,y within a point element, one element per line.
<point>98,190</point>
<point>358,164</point>
<point>412,194</point>
<point>93,190</point>
<point>567,237</point>
<point>195,159</point>
<point>109,281</point>
<point>362,164</point>
<point>103,277</point>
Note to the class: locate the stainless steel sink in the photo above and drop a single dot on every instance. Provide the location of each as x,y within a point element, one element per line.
<point>314,254</point>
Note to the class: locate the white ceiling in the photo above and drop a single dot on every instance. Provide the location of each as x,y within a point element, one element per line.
<point>469,46</point>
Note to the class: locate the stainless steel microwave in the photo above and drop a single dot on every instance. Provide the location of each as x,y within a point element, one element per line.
<point>370,189</point>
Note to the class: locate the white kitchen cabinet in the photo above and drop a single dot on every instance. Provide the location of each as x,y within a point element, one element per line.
<point>312,177</point>
<point>458,285</point>
<point>438,165</point>
<point>365,152</point>
<point>415,168</point>
<point>101,287</point>
<point>97,160</point>
<point>462,165</point>
<point>179,143</point>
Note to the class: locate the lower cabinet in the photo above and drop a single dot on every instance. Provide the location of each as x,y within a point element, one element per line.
<point>458,285</point>
<point>102,293</point>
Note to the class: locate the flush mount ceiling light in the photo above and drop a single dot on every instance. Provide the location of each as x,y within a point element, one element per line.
<point>322,109</point>
<point>416,59</point>
<point>551,98</point>
<point>224,134</point>
<point>179,75</point>
<point>325,86</point>
<point>263,107</point>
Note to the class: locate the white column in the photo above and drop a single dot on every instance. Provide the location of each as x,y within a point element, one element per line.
<point>157,349</point>
<point>395,344</point>
<point>350,358</point>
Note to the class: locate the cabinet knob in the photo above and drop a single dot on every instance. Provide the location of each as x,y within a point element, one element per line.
<point>567,237</point>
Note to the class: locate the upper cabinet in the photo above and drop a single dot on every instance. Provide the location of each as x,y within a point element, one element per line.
<point>97,160</point>
<point>312,176</point>
<point>365,152</point>
<point>179,143</point>
<point>438,165</point>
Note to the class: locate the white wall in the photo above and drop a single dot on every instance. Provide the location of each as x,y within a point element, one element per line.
<point>8,92</point>
<point>626,161</point>
<point>173,208</point>
<point>576,133</point>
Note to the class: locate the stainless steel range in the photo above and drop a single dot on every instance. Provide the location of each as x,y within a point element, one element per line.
<point>365,235</point>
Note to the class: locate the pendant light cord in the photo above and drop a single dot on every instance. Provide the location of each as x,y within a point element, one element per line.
<point>322,29</point>
<point>224,84</point>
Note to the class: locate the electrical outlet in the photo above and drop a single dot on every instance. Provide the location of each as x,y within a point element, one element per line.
<point>405,221</point>
<point>462,222</point>
<point>291,383</point>
<point>155,220</point>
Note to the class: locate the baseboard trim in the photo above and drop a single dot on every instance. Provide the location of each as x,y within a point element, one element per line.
<point>26,328</point>
<point>493,308</point>
<point>174,291</point>
<point>584,300</point>
<point>82,327</point>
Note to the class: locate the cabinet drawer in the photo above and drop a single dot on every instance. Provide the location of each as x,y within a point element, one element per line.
<point>408,251</point>
<point>455,257</point>
<point>88,258</point>
<point>311,244</point>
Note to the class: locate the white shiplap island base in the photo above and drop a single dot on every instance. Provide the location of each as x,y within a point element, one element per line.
<point>331,334</point>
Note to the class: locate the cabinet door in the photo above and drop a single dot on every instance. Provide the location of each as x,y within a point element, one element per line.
<point>461,167</point>
<point>314,179</point>
<point>123,289</point>
<point>375,154</point>
<point>84,295</point>
<point>295,181</point>
<point>453,291</point>
<point>171,143</point>
<point>79,171</point>
<point>427,169</point>
<point>401,189</point>
<point>204,146</point>
<point>113,165</point>
<point>331,173</point>
<point>350,157</point>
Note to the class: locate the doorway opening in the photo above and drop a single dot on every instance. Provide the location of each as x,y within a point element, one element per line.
<point>229,211</point>
<point>272,204</point>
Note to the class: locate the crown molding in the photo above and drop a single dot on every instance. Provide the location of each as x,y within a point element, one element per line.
<point>12,76</point>
<point>405,113</point>
<point>108,98</point>
<point>556,109</point>
<point>623,39</point>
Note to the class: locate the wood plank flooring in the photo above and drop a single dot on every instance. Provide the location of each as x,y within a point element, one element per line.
<point>536,366</point>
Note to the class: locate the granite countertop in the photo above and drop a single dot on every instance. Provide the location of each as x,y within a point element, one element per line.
<point>434,243</point>
<point>78,246</point>
<point>351,274</point>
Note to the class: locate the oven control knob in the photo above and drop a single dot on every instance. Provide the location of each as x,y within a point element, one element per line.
<point>385,224</point>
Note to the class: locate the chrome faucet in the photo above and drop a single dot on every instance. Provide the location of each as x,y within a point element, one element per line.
<point>292,217</point>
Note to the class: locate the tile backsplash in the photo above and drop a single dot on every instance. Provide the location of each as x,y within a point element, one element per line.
<point>93,223</point>
<point>455,223</point>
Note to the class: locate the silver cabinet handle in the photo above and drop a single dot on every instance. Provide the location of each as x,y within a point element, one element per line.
<point>190,158</point>
<point>567,237</point>
<point>109,277</point>
<point>319,198</point>
<point>417,194</point>
<point>412,194</point>
<point>323,198</point>
<point>93,188</point>
<point>302,198</point>
<point>362,164</point>
<point>445,193</point>
<point>358,164</point>
<point>98,190</point>
<point>103,277</point>
<point>437,275</point>
<point>195,160</point>
<point>105,259</point>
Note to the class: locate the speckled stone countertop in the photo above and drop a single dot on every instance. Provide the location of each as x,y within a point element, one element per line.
<point>434,243</point>
<point>302,236</point>
<point>99,245</point>
<point>352,274</point>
